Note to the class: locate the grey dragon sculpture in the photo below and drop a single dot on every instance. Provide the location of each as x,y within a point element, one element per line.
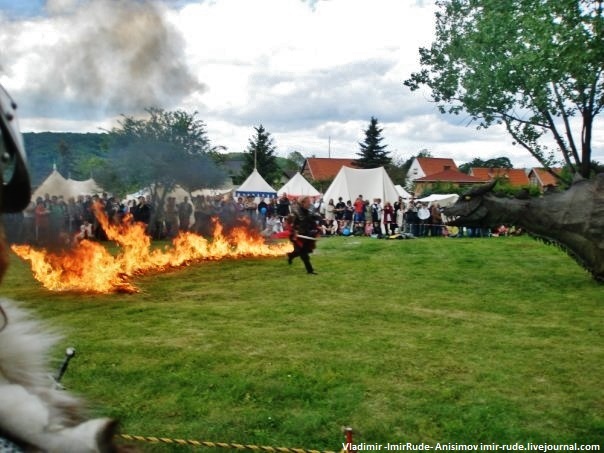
<point>573,219</point>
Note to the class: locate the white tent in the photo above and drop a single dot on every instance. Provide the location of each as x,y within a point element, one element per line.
<point>402,192</point>
<point>443,200</point>
<point>56,184</point>
<point>86,187</point>
<point>298,186</point>
<point>372,183</point>
<point>255,186</point>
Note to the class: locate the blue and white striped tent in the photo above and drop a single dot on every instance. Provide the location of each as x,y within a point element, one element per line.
<point>255,186</point>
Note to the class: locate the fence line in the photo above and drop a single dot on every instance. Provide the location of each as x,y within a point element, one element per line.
<point>230,445</point>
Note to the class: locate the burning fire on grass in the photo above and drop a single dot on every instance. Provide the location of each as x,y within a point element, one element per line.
<point>90,268</point>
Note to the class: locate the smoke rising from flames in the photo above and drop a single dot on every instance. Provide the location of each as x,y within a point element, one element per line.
<point>102,57</point>
<point>90,268</point>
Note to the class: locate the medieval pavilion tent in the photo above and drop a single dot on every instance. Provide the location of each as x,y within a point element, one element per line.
<point>86,187</point>
<point>52,185</point>
<point>298,186</point>
<point>255,186</point>
<point>371,183</point>
<point>56,184</point>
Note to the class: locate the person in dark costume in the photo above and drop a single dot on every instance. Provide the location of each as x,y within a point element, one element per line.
<point>303,222</point>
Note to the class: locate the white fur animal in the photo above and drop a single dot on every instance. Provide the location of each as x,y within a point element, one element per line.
<point>34,415</point>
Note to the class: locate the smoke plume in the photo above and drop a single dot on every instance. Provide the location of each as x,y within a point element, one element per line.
<point>106,57</point>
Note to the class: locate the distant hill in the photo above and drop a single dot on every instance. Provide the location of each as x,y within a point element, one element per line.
<point>77,155</point>
<point>72,153</point>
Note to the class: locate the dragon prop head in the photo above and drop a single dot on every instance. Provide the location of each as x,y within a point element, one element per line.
<point>572,219</point>
<point>469,210</point>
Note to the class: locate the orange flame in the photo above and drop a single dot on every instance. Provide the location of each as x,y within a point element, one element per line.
<point>89,267</point>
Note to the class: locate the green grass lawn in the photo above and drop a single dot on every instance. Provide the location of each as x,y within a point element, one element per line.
<point>432,340</point>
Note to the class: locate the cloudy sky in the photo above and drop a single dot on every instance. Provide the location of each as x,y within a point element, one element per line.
<point>313,72</point>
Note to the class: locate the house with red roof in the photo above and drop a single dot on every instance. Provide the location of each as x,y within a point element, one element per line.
<point>427,172</point>
<point>323,168</point>
<point>543,179</point>
<point>425,166</point>
<point>516,177</point>
<point>449,176</point>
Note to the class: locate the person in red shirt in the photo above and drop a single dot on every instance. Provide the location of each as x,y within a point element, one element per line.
<point>359,209</point>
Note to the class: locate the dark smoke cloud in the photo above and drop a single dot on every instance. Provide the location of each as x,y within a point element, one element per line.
<point>111,57</point>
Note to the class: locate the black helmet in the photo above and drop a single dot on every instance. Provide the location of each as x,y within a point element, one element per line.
<point>16,188</point>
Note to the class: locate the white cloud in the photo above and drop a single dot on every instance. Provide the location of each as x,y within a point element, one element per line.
<point>312,72</point>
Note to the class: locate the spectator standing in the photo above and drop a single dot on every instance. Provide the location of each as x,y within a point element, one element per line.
<point>340,208</point>
<point>376,212</point>
<point>348,212</point>
<point>87,212</point>
<point>411,219</point>
<point>359,213</point>
<point>42,223</point>
<point>437,220</point>
<point>423,213</point>
<point>171,217</point>
<point>283,206</point>
<point>399,215</point>
<point>112,208</point>
<point>56,218</point>
<point>272,207</point>
<point>142,211</point>
<point>330,212</point>
<point>262,211</point>
<point>74,216</point>
<point>389,218</point>
<point>319,206</point>
<point>240,205</point>
<point>185,210</point>
<point>250,208</point>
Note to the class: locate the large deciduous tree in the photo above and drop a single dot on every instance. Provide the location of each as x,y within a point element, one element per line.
<point>260,154</point>
<point>295,161</point>
<point>535,66</point>
<point>372,153</point>
<point>160,152</point>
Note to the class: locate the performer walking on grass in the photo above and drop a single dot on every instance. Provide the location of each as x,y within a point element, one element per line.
<point>303,232</point>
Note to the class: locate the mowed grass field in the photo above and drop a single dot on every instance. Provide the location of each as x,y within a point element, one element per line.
<point>495,340</point>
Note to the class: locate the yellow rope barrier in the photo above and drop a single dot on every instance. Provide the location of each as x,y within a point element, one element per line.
<point>207,444</point>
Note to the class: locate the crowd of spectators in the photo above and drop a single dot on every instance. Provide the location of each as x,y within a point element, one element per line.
<point>401,218</point>
<point>379,218</point>
<point>52,220</point>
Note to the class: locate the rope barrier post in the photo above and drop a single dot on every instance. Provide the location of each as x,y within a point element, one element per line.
<point>348,434</point>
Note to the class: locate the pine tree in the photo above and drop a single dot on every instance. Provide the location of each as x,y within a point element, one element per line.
<point>373,154</point>
<point>260,154</point>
